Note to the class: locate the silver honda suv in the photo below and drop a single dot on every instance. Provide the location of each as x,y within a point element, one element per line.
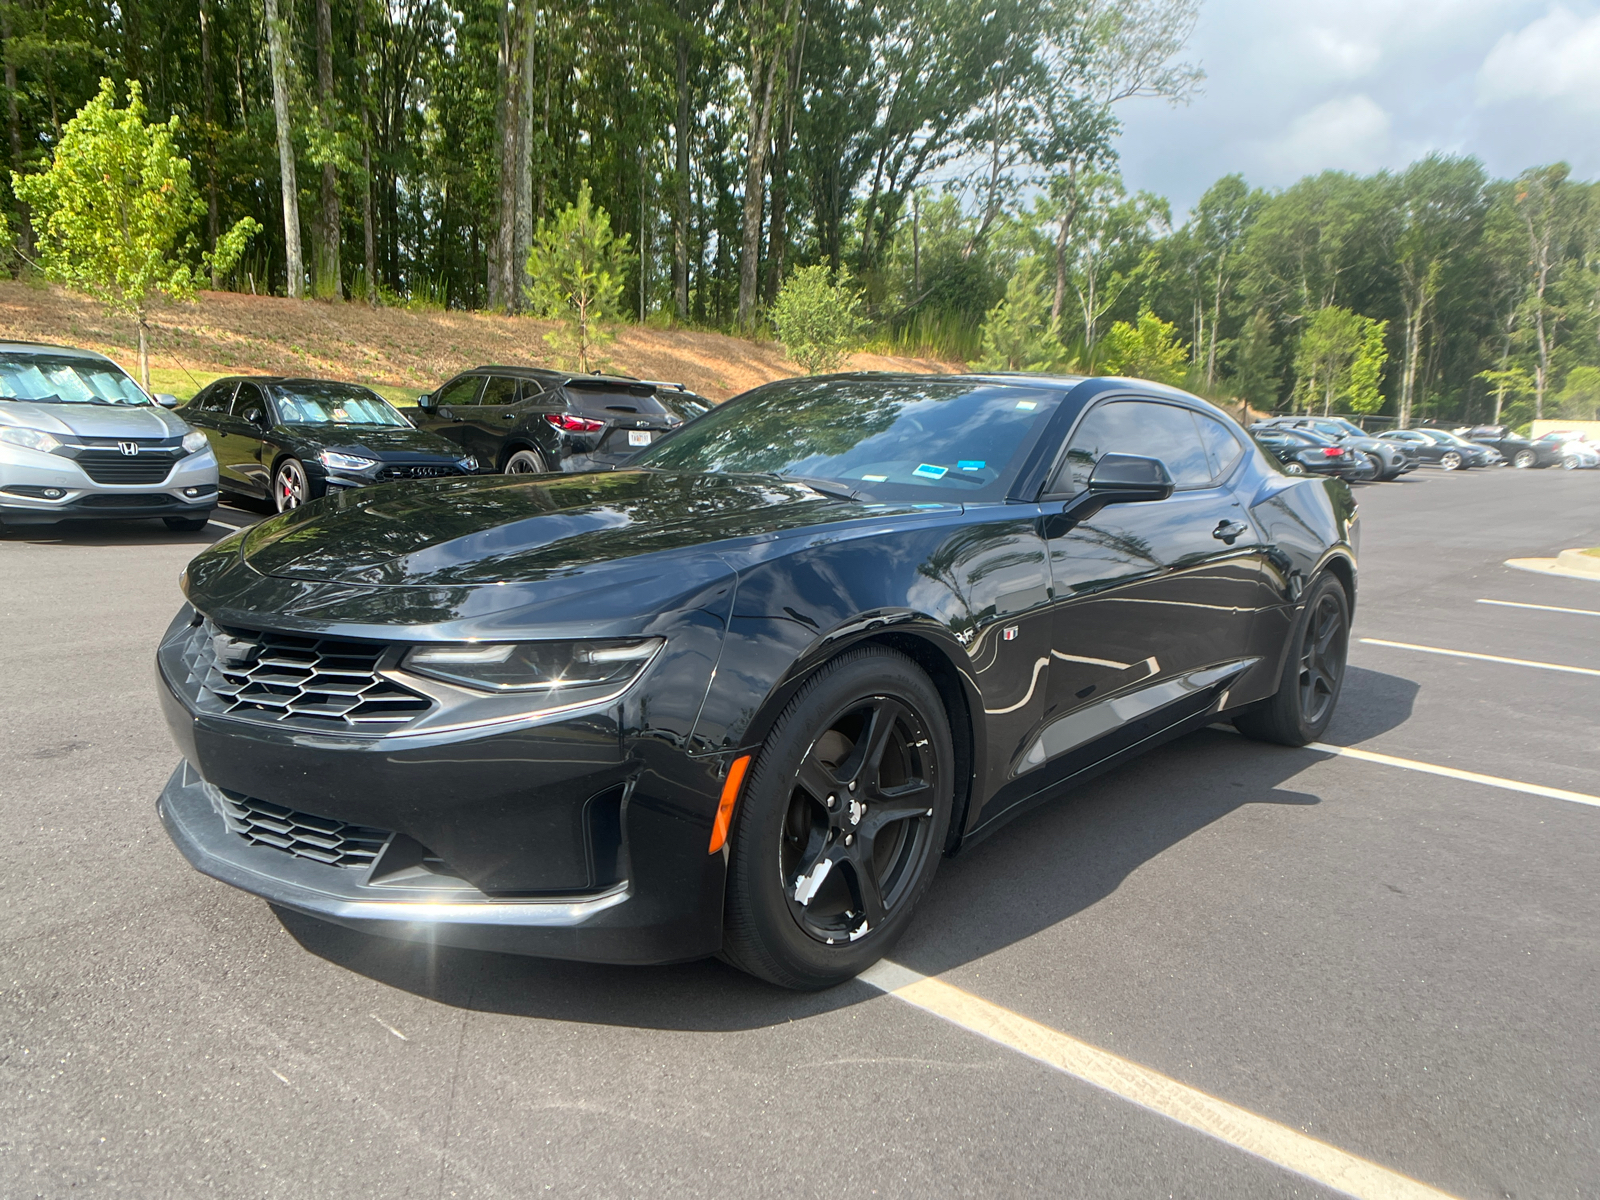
<point>79,438</point>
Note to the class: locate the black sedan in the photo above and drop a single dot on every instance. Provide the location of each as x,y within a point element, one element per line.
<point>1302,452</point>
<point>293,440</point>
<point>1440,449</point>
<point>1517,450</point>
<point>742,696</point>
<point>526,420</point>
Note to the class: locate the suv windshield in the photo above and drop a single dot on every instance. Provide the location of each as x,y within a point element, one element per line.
<point>922,439</point>
<point>64,379</point>
<point>334,404</point>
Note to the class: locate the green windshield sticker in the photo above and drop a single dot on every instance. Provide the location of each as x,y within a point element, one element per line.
<point>928,471</point>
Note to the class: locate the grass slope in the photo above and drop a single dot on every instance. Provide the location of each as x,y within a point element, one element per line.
<point>399,353</point>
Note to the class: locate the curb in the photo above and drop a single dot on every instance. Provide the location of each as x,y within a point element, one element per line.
<point>1578,560</point>
<point>1572,564</point>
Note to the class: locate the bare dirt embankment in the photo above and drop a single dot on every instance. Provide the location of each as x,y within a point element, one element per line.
<point>402,353</point>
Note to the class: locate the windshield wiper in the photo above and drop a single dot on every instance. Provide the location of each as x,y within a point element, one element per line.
<point>827,487</point>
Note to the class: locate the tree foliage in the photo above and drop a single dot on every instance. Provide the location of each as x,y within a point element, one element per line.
<point>575,278</point>
<point>817,319</point>
<point>1145,348</point>
<point>1018,334</point>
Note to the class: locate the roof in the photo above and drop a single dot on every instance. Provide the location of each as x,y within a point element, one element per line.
<point>46,348</point>
<point>565,377</point>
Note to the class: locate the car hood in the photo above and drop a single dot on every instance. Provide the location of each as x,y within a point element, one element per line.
<point>94,420</point>
<point>500,529</point>
<point>384,442</point>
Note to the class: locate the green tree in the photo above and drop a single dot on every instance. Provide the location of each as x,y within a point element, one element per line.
<point>1579,396</point>
<point>1146,349</point>
<point>576,273</point>
<point>817,319</point>
<point>1257,376</point>
<point>1340,357</point>
<point>1018,332</point>
<point>114,211</point>
<point>1506,382</point>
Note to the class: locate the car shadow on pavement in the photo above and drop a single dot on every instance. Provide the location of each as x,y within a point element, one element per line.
<point>1039,870</point>
<point>1370,703</point>
<point>109,533</point>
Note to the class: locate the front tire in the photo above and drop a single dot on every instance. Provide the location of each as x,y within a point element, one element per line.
<point>1524,459</point>
<point>526,462</point>
<point>1313,673</point>
<point>291,487</point>
<point>1372,471</point>
<point>1569,463</point>
<point>842,823</point>
<point>1450,460</point>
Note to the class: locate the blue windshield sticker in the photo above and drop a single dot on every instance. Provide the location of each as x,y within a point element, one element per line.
<point>1027,405</point>
<point>875,478</point>
<point>928,471</point>
<point>971,464</point>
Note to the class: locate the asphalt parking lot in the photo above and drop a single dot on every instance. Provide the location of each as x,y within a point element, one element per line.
<point>1400,964</point>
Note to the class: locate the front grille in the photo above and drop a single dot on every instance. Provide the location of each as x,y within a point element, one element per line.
<point>421,471</point>
<point>322,839</point>
<point>298,681</point>
<point>112,466</point>
<point>123,500</point>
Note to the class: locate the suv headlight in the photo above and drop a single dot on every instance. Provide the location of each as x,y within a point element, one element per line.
<point>29,439</point>
<point>335,461</point>
<point>194,441</point>
<point>562,673</point>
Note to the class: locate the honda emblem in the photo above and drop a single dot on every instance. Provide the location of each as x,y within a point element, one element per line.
<point>128,447</point>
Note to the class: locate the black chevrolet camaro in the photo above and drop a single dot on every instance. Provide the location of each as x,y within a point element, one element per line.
<point>292,440</point>
<point>741,695</point>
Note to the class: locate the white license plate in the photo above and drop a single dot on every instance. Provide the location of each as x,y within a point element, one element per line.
<point>638,437</point>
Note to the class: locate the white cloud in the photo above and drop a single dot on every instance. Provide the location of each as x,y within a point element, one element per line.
<point>1348,133</point>
<point>1555,58</point>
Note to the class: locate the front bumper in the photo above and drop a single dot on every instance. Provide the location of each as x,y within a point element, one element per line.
<point>28,476</point>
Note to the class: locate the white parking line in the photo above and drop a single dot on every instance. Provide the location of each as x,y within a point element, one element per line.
<point>1228,1123</point>
<point>1411,764</point>
<point>1495,658</point>
<point>1582,612</point>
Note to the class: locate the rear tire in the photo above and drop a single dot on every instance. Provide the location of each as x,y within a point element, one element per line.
<point>1293,468</point>
<point>841,824</point>
<point>1523,459</point>
<point>1569,463</point>
<point>526,462</point>
<point>1451,461</point>
<point>1313,672</point>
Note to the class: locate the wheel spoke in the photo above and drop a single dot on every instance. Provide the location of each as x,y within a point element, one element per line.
<point>818,782</point>
<point>868,893</point>
<point>865,761</point>
<point>903,803</point>
<point>809,881</point>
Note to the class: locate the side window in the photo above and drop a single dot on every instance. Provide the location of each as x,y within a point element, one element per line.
<point>499,390</point>
<point>1142,427</point>
<point>531,390</point>
<point>458,392</point>
<point>1220,444</point>
<point>248,400</point>
<point>216,398</point>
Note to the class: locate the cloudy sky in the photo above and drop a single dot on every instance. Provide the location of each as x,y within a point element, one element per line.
<point>1296,86</point>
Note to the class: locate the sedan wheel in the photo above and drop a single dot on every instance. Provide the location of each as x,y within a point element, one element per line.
<point>290,488</point>
<point>1371,468</point>
<point>1524,459</point>
<point>1309,688</point>
<point>1293,468</point>
<point>1569,462</point>
<point>526,462</point>
<point>842,823</point>
<point>1450,460</point>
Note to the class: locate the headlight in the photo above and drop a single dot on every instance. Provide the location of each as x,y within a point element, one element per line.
<point>563,673</point>
<point>468,464</point>
<point>194,441</point>
<point>28,439</point>
<point>335,461</point>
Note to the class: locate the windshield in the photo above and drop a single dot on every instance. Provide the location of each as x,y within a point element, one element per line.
<point>66,380</point>
<point>334,404</point>
<point>923,439</point>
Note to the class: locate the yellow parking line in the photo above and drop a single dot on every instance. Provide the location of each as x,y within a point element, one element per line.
<point>1411,764</point>
<point>1515,662</point>
<point>1238,1127</point>
<point>1582,612</point>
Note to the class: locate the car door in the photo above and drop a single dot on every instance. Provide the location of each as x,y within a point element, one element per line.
<point>450,411</point>
<point>249,418</point>
<point>228,440</point>
<point>1154,604</point>
<point>208,405</point>
<point>492,419</point>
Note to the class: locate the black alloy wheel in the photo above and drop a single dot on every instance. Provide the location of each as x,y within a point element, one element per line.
<point>1451,461</point>
<point>1313,672</point>
<point>526,462</point>
<point>1523,459</point>
<point>842,823</point>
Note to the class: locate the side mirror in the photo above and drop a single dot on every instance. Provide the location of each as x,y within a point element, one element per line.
<point>256,417</point>
<point>1116,479</point>
<point>166,400</point>
<point>425,402</point>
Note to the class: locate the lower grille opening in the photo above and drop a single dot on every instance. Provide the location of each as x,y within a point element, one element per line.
<point>321,839</point>
<point>123,500</point>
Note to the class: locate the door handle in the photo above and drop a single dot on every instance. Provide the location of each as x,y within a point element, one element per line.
<point>1230,531</point>
<point>508,416</point>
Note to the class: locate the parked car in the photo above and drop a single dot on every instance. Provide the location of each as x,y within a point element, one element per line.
<point>1385,460</point>
<point>79,438</point>
<point>1575,453</point>
<point>1302,452</point>
<point>742,695</point>
<point>1440,449</point>
<point>292,440</point>
<point>1515,449</point>
<point>526,420</point>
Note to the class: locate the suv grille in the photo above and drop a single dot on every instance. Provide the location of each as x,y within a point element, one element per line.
<point>302,682</point>
<point>320,838</point>
<point>112,466</point>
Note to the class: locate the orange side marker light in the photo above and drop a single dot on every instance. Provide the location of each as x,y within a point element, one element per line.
<point>730,794</point>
